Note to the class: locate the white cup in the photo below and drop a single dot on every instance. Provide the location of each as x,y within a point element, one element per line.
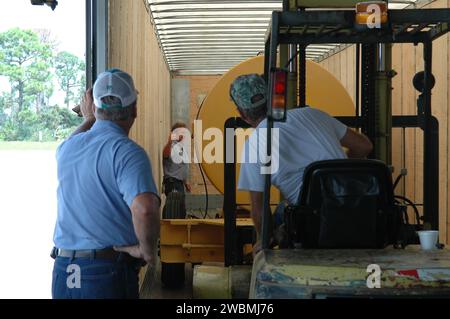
<point>428,239</point>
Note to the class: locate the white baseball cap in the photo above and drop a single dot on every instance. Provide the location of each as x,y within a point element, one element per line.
<point>115,83</point>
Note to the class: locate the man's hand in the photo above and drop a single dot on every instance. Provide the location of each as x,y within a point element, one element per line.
<point>87,109</point>
<point>136,252</point>
<point>188,187</point>
<point>133,251</point>
<point>358,145</point>
<point>87,106</point>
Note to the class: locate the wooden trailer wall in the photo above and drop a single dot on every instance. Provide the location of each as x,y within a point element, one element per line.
<point>134,48</point>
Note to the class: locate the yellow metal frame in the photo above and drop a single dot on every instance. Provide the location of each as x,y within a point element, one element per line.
<point>194,240</point>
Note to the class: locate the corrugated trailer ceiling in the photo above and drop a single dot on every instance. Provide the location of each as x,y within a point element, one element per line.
<point>212,36</point>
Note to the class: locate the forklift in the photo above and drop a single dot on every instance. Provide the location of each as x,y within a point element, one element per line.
<point>380,259</point>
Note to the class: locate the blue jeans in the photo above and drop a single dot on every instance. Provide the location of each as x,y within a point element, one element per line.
<point>86,278</point>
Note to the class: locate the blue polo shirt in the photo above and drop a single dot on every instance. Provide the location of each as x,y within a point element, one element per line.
<point>100,172</point>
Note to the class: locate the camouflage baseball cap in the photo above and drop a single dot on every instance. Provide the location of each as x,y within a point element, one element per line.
<point>245,88</point>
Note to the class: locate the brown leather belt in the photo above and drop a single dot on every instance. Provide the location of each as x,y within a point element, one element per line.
<point>107,253</point>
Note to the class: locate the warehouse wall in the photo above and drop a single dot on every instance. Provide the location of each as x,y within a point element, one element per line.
<point>133,47</point>
<point>342,66</point>
<point>407,60</point>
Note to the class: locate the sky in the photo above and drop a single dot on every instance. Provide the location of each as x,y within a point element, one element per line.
<point>67,25</point>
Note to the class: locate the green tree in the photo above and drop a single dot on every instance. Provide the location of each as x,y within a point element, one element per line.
<point>70,71</point>
<point>52,123</point>
<point>57,123</point>
<point>3,116</point>
<point>26,62</point>
<point>20,128</point>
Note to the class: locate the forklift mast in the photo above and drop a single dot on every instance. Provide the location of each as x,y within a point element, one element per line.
<point>296,27</point>
<point>373,62</point>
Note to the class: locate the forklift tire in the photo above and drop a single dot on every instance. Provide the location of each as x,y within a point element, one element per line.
<point>172,274</point>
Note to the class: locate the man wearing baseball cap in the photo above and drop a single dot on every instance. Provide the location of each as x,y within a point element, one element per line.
<point>307,136</point>
<point>108,205</point>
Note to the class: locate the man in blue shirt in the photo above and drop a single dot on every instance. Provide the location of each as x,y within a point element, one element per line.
<point>108,204</point>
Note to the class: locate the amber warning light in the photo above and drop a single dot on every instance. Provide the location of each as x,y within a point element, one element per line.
<point>371,15</point>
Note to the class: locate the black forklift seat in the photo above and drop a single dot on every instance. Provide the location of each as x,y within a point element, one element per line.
<point>344,204</point>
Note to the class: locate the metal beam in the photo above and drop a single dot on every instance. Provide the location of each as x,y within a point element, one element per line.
<point>218,9</point>
<point>213,22</point>
<point>208,2</point>
<point>430,145</point>
<point>201,28</point>
<point>196,18</point>
<point>341,3</point>
<point>358,38</point>
<point>317,18</point>
<point>101,35</point>
<point>215,45</point>
<point>203,63</point>
<point>203,66</point>
<point>212,45</point>
<point>206,53</point>
<point>214,36</point>
<point>212,50</point>
<point>213,41</point>
<point>207,49</point>
<point>203,32</point>
<point>347,17</point>
<point>89,59</point>
<point>191,60</point>
<point>419,16</point>
<point>211,67</point>
<point>438,31</point>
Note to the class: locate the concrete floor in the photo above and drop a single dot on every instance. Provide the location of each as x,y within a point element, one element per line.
<point>27,219</point>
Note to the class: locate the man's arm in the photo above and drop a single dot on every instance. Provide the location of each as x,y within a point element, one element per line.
<point>146,222</point>
<point>87,108</point>
<point>358,145</point>
<point>168,148</point>
<point>256,212</point>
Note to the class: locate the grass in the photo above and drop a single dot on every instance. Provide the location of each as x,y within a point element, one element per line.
<point>28,146</point>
